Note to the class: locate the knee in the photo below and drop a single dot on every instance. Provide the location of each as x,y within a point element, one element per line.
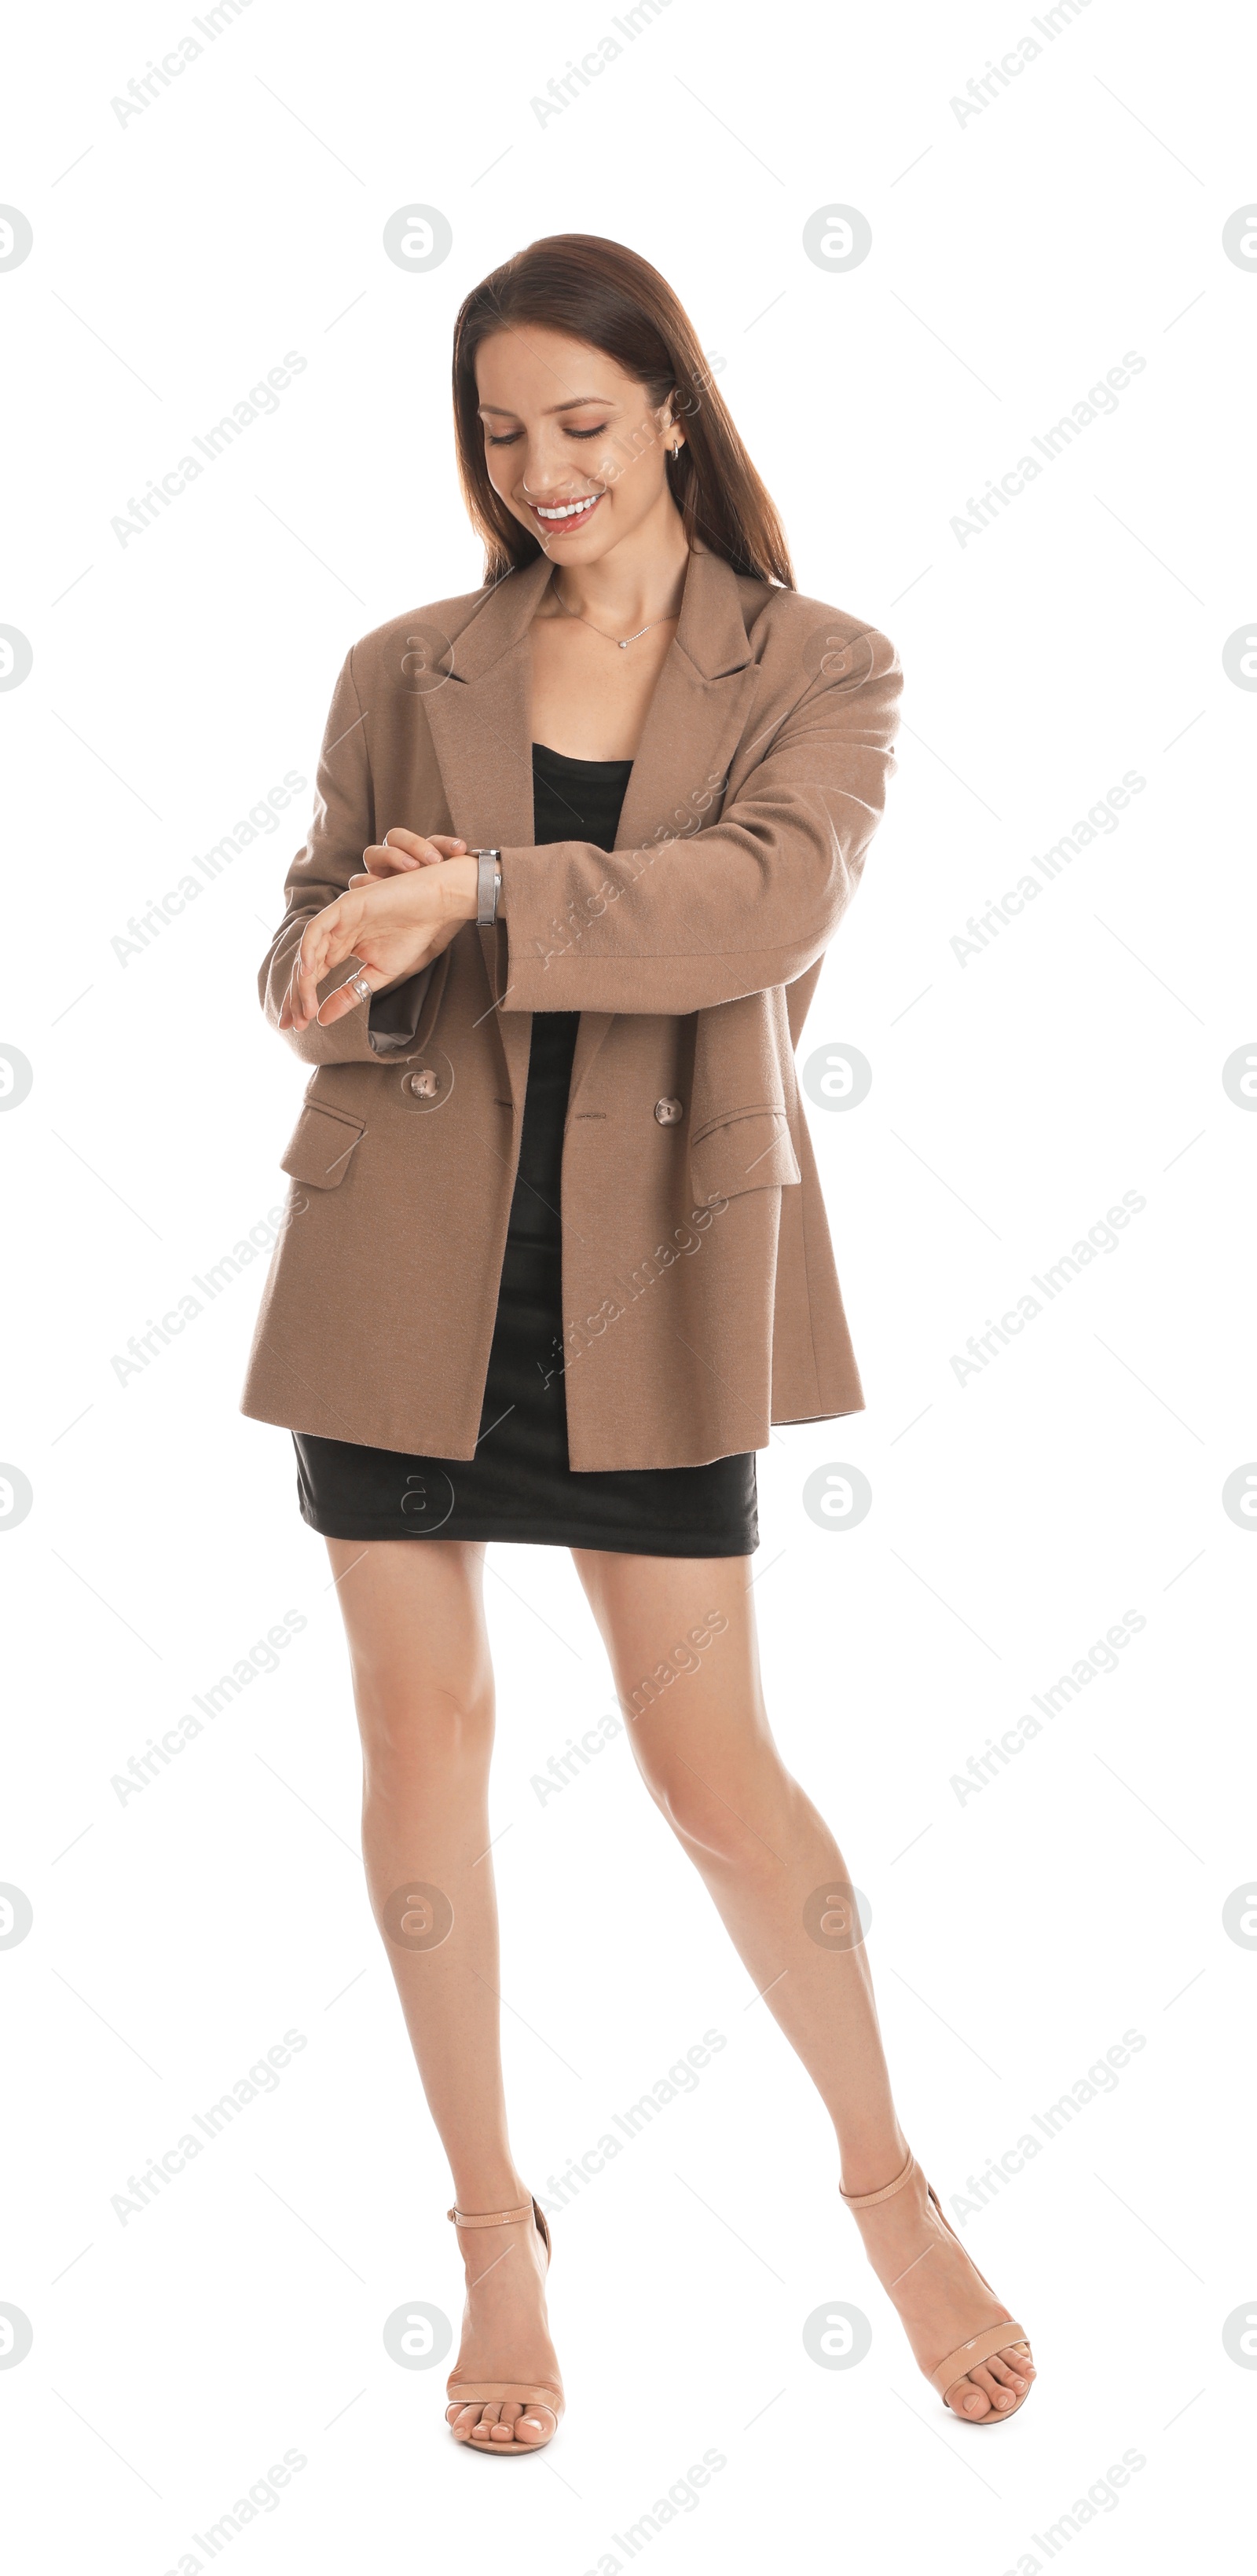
<point>726,1826</point>
<point>429,1724</point>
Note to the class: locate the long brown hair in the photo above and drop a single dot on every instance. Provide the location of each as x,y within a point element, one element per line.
<point>601,293</point>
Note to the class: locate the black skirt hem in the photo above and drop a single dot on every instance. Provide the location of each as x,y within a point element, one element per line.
<point>479,1531</point>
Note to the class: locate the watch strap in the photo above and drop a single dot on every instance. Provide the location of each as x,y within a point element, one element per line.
<point>488,883</point>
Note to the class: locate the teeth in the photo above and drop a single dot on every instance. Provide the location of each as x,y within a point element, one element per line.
<point>569,509</point>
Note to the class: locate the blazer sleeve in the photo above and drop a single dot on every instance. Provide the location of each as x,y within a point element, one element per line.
<point>748,903</point>
<point>343,825</point>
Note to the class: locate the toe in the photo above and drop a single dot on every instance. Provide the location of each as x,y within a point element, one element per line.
<point>482,2429</point>
<point>461,2420</point>
<point>1001,2398</point>
<point>968,2399</point>
<point>536,2426</point>
<point>507,2418</point>
<point>1011,2369</point>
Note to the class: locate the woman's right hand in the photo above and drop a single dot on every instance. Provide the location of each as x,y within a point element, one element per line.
<point>401,850</point>
<point>393,922</point>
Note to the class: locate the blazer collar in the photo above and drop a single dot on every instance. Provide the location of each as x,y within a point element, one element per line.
<point>480,718</point>
<point>502,620</point>
<point>710,630</point>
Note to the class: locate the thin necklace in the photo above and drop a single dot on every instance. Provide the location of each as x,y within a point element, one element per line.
<point>621,641</point>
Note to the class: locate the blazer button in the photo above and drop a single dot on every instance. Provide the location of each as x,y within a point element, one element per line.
<point>425,1084</point>
<point>669,1112</point>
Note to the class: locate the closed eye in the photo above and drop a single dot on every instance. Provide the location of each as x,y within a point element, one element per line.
<point>509,438</point>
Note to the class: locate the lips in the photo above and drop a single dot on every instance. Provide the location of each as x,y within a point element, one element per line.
<point>560,518</point>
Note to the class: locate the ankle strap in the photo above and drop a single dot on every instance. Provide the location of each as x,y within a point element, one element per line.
<point>490,2217</point>
<point>866,2199</point>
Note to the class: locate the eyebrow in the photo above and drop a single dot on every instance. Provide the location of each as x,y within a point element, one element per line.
<point>579,402</point>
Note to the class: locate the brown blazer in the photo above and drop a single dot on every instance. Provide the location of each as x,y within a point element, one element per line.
<point>699,1292</point>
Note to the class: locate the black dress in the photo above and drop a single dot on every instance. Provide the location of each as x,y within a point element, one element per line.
<point>520,1485</point>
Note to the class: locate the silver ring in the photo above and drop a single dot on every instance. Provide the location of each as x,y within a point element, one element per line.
<point>358,984</point>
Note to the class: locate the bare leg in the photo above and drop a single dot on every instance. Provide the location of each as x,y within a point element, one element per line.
<point>703,1745</point>
<point>423,1685</point>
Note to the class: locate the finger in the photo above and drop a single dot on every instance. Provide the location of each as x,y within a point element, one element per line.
<point>414,844</point>
<point>345,999</point>
<point>310,983</point>
<point>383,859</point>
<point>426,847</point>
<point>328,940</point>
<point>400,850</point>
<point>306,971</point>
<point>306,997</point>
<point>291,1015</point>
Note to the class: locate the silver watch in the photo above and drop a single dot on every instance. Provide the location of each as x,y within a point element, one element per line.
<point>488,884</point>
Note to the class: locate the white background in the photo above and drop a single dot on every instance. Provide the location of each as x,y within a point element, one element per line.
<point>1017,1934</point>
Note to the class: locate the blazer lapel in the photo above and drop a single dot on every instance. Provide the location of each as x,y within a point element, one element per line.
<point>696,719</point>
<point>479,721</point>
<point>697,713</point>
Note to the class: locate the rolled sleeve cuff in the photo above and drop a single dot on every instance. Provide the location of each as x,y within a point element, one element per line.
<point>393,1017</point>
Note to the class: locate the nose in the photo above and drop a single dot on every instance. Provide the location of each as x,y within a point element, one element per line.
<point>551,474</point>
<point>559,485</point>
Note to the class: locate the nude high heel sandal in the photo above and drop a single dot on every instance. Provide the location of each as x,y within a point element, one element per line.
<point>504,2392</point>
<point>980,2347</point>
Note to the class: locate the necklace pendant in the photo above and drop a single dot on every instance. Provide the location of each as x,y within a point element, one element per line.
<point>625,645</point>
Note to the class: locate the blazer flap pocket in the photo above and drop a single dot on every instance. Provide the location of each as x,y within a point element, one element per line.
<point>749,1151</point>
<point>321,1144</point>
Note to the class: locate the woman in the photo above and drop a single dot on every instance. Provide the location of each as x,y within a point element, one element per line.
<point>556,1254</point>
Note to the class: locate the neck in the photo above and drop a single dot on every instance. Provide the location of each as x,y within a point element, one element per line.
<point>641,579</point>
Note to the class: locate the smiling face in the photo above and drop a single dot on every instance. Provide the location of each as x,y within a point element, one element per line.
<point>573,446</point>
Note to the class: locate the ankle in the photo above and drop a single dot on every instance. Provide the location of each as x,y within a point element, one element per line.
<point>868,2166</point>
<point>484,2190</point>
